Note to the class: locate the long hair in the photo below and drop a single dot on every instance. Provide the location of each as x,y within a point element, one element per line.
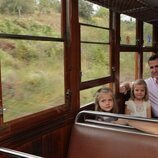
<point>105,90</point>
<point>140,82</point>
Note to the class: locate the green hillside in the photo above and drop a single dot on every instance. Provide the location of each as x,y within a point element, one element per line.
<point>32,71</point>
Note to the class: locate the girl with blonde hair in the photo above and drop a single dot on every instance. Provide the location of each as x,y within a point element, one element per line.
<point>138,104</point>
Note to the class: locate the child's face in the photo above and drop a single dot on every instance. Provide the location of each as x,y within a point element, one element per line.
<point>139,92</point>
<point>106,101</point>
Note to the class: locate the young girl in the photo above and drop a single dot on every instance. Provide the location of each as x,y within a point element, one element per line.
<point>138,104</point>
<point>105,102</point>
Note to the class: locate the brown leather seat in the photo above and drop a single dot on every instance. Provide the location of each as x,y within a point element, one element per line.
<point>95,141</point>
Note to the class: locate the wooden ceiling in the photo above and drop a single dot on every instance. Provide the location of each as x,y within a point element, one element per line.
<point>145,10</point>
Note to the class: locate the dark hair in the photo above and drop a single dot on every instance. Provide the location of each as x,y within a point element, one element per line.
<point>153,57</point>
<point>105,90</point>
<point>139,82</point>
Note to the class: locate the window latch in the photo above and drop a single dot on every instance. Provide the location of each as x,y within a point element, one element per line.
<point>2,110</point>
<point>68,93</point>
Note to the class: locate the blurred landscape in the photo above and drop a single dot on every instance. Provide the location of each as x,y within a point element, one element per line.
<point>33,71</point>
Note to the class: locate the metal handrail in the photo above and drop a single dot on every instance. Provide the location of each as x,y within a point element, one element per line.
<point>82,115</point>
<point>17,154</point>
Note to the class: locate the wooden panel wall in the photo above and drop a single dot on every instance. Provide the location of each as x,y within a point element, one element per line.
<point>49,139</point>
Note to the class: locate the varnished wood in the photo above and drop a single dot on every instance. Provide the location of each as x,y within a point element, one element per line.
<point>47,133</point>
<point>39,134</point>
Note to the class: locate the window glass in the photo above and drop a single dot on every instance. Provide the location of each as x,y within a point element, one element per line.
<point>92,34</point>
<point>31,17</point>
<point>94,61</point>
<point>147,34</point>
<point>128,27</point>
<point>32,75</point>
<point>146,70</point>
<point>127,66</point>
<point>93,14</point>
<point>88,95</point>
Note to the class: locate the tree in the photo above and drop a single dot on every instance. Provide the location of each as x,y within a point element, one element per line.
<point>102,12</point>
<point>46,6</point>
<point>16,6</point>
<point>85,9</point>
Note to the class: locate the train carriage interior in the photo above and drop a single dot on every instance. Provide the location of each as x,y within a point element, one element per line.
<point>54,55</point>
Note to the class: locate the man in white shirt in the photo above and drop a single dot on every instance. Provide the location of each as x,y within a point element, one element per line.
<point>152,84</point>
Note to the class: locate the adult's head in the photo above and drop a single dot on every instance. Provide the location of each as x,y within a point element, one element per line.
<point>153,65</point>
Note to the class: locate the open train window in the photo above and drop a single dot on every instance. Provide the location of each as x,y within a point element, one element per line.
<point>32,57</point>
<point>94,49</point>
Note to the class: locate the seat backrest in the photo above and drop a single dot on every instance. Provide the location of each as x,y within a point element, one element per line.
<point>94,142</point>
<point>97,141</point>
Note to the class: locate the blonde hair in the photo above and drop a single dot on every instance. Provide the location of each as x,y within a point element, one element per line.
<point>105,90</point>
<point>140,82</point>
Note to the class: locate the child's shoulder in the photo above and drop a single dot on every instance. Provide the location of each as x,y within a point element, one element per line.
<point>130,101</point>
<point>147,103</point>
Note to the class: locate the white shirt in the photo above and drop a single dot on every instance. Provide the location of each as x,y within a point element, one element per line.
<point>138,110</point>
<point>153,94</point>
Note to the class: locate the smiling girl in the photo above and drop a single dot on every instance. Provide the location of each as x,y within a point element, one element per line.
<point>138,104</point>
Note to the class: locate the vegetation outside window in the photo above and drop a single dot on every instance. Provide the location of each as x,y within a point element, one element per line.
<point>95,46</point>
<point>146,70</point>
<point>31,17</point>
<point>94,61</point>
<point>32,68</point>
<point>87,96</point>
<point>127,66</point>
<point>147,34</point>
<point>94,41</point>
<point>128,33</point>
<point>93,14</point>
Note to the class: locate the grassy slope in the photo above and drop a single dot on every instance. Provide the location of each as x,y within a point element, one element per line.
<point>32,72</point>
